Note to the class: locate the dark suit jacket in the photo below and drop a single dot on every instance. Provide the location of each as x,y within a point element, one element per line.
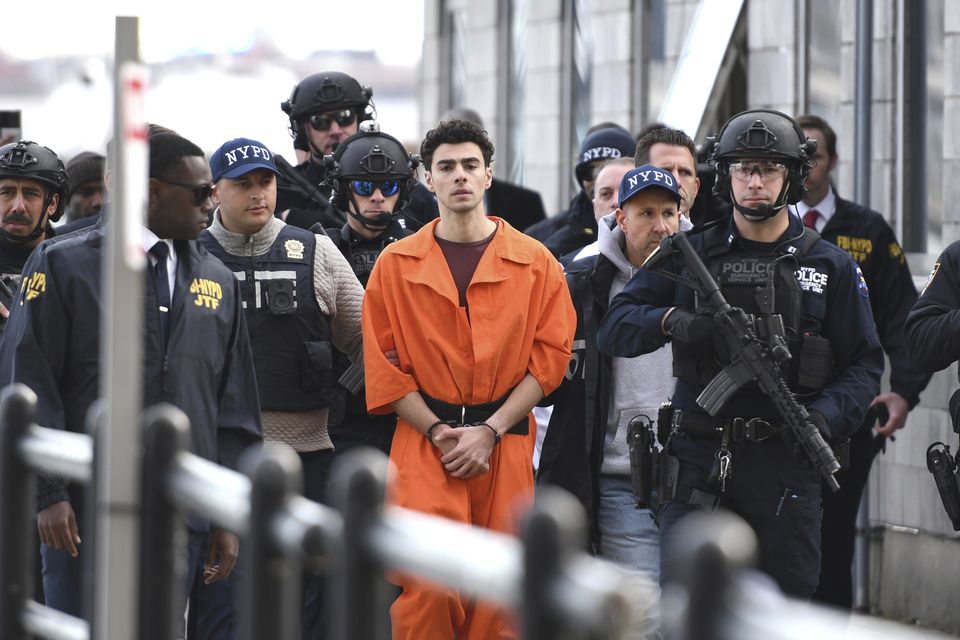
<point>519,206</point>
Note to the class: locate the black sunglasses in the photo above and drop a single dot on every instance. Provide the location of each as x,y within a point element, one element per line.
<point>322,121</point>
<point>201,192</point>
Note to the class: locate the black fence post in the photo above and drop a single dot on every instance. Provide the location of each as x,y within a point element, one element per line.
<point>271,584</point>
<point>18,408</point>
<point>551,532</point>
<point>357,491</point>
<point>163,563</point>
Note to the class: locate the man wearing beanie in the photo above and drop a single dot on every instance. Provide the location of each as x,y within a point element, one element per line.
<point>86,194</point>
<point>301,298</point>
<point>577,227</point>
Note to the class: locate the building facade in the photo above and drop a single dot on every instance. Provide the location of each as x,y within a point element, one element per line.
<point>540,72</point>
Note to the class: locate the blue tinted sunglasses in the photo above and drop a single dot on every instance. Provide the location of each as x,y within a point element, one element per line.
<point>367,187</point>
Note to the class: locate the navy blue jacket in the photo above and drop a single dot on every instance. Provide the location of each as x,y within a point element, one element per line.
<point>866,236</point>
<point>933,326</point>
<point>572,450</point>
<point>835,304</point>
<point>52,344</point>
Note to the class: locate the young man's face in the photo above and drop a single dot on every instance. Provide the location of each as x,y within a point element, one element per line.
<point>645,219</point>
<point>755,182</point>
<point>678,161</point>
<point>459,176</point>
<point>819,178</point>
<point>21,205</point>
<point>247,202</point>
<point>181,212</point>
<point>374,206</point>
<point>606,188</point>
<point>327,129</point>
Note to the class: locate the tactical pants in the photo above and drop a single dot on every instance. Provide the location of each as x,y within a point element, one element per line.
<point>770,487</point>
<point>839,522</point>
<point>490,500</point>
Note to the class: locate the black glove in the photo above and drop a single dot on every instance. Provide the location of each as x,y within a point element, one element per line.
<point>692,329</point>
<point>820,422</point>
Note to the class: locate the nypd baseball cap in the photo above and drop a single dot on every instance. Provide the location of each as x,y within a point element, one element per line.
<point>240,156</point>
<point>645,177</point>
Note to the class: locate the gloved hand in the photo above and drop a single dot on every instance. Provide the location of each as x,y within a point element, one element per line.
<point>820,422</point>
<point>691,329</point>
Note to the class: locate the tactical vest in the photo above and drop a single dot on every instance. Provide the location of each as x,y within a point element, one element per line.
<point>362,253</point>
<point>764,286</point>
<point>290,336</point>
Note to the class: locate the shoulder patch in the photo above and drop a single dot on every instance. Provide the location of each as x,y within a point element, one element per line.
<point>33,286</point>
<point>896,253</point>
<point>862,288</point>
<point>933,274</point>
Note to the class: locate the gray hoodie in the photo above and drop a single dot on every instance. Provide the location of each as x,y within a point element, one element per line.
<point>641,384</point>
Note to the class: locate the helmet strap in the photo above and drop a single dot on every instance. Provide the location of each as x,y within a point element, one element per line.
<point>764,211</point>
<point>377,225</point>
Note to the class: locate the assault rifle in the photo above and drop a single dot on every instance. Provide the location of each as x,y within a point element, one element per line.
<point>751,359</point>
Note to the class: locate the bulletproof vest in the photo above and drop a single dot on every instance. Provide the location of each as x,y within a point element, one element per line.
<point>362,253</point>
<point>763,286</point>
<point>289,334</point>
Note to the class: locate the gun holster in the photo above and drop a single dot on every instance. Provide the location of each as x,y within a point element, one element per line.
<point>643,454</point>
<point>944,469</point>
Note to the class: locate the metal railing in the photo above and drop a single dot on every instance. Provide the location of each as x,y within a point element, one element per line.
<point>556,589</point>
<point>26,450</point>
<point>545,576</point>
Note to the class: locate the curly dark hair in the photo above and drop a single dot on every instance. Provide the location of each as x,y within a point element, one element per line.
<point>455,132</point>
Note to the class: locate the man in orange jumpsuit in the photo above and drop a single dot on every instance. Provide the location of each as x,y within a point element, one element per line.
<point>480,319</point>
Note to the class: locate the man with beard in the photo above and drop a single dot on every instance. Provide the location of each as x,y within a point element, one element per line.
<point>33,193</point>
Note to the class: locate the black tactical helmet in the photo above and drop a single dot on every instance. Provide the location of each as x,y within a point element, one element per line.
<point>766,135</point>
<point>326,91</point>
<point>26,159</point>
<point>374,156</point>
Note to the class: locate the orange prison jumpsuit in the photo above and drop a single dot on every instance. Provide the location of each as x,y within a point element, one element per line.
<point>521,320</point>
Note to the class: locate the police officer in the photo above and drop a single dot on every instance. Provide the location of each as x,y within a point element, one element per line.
<point>867,237</point>
<point>745,459</point>
<point>33,193</point>
<point>577,227</point>
<point>196,356</point>
<point>301,298</point>
<point>371,175</point>
<point>324,109</point>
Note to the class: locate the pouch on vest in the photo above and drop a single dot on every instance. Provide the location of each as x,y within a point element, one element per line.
<point>316,366</point>
<point>814,362</point>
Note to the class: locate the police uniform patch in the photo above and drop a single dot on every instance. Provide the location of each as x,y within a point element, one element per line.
<point>896,253</point>
<point>294,249</point>
<point>208,293</point>
<point>862,288</point>
<point>933,273</point>
<point>33,286</point>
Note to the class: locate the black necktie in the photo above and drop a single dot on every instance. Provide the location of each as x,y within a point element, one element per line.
<point>160,251</point>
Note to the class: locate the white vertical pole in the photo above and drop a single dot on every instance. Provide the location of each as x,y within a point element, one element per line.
<point>118,433</point>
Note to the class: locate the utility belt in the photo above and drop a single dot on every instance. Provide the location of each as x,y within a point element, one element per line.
<point>740,429</point>
<point>728,430</point>
<point>463,414</point>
